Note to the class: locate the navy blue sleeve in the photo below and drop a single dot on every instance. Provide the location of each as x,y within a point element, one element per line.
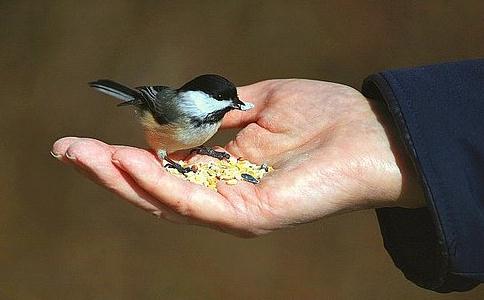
<point>438,111</point>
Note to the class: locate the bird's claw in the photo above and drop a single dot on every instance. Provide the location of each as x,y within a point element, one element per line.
<point>178,167</point>
<point>203,150</point>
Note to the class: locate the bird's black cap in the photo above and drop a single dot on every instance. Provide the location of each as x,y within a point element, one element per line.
<point>214,85</point>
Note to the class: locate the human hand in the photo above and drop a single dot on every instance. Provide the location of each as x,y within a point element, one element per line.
<point>333,151</point>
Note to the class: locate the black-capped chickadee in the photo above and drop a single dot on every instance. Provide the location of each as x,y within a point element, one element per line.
<point>178,119</point>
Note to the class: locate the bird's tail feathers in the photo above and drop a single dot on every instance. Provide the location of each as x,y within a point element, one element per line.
<point>117,90</point>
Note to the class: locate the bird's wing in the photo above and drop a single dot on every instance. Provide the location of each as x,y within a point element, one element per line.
<point>151,92</point>
<point>157,99</point>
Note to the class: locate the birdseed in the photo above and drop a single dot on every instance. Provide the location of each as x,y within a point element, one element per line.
<point>230,171</point>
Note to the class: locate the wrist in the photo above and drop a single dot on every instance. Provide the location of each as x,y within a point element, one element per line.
<point>403,183</point>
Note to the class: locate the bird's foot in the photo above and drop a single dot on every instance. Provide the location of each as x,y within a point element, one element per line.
<point>171,163</point>
<point>177,166</point>
<point>204,150</point>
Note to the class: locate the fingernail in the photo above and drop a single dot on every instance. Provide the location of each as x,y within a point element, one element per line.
<point>70,156</point>
<point>57,156</point>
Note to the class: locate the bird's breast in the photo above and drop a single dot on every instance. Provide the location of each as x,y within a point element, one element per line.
<point>197,135</point>
<point>176,136</point>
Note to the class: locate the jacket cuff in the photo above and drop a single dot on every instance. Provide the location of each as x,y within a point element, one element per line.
<point>414,238</point>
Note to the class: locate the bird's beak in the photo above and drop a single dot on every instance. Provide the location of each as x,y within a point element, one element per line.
<point>237,104</point>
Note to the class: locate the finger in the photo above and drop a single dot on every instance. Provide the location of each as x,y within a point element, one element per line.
<point>93,158</point>
<point>59,149</point>
<point>258,144</point>
<point>256,94</point>
<point>185,198</point>
<point>60,146</point>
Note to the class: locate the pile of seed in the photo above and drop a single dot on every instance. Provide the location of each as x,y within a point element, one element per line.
<point>229,171</point>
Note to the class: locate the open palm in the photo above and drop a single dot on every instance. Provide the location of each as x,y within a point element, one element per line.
<point>332,151</point>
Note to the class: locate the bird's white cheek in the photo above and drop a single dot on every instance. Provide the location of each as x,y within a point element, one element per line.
<point>196,103</point>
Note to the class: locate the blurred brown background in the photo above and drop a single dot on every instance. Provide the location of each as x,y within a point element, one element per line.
<point>62,237</point>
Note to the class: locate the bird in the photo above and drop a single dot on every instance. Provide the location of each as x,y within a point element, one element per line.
<point>182,118</point>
